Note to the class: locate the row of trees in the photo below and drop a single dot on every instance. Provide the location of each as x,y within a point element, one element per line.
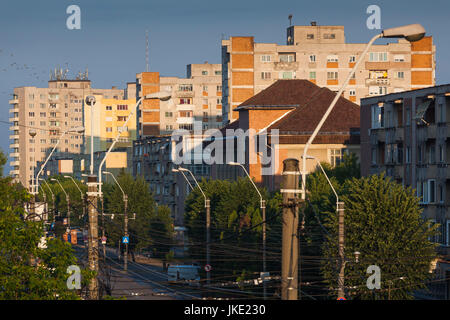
<point>383,223</point>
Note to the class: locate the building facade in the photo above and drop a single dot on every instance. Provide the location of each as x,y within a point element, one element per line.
<point>321,55</point>
<point>50,112</point>
<point>198,97</point>
<point>407,136</point>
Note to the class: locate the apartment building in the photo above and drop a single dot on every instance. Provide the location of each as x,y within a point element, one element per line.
<point>50,112</point>
<point>109,116</point>
<point>321,55</point>
<point>406,135</point>
<point>198,97</point>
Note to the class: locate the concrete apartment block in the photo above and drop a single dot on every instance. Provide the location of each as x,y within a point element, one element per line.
<point>321,55</point>
<point>50,111</point>
<point>194,98</point>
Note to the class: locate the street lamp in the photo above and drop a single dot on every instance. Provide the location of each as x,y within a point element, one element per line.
<point>33,190</point>
<point>163,96</point>
<point>67,200</point>
<point>187,180</point>
<point>53,198</point>
<point>72,130</point>
<point>125,215</point>
<point>81,193</point>
<point>208,222</point>
<point>263,211</point>
<point>412,32</point>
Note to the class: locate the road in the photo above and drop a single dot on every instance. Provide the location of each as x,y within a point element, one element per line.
<point>142,281</point>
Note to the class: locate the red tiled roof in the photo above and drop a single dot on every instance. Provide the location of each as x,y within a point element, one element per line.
<point>311,102</point>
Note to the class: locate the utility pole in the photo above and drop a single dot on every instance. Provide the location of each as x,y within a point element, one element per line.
<point>125,225</point>
<point>93,235</point>
<point>289,252</point>
<point>263,209</point>
<point>340,211</point>
<point>103,229</point>
<point>208,238</point>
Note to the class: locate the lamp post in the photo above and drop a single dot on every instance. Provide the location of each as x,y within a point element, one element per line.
<point>263,212</point>
<point>413,32</point>
<point>81,193</point>
<point>72,130</point>
<point>67,200</point>
<point>163,96</point>
<point>208,222</point>
<point>33,190</point>
<point>125,216</point>
<point>53,198</point>
<point>341,239</point>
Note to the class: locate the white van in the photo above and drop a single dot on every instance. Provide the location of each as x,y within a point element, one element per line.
<point>177,273</point>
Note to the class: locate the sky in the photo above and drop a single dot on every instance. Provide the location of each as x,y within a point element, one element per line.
<point>34,37</point>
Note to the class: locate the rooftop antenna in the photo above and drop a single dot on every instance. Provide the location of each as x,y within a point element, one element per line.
<point>290,20</point>
<point>146,50</point>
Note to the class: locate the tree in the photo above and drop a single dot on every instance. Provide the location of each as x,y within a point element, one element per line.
<point>236,228</point>
<point>26,270</point>
<point>140,202</point>
<point>383,222</point>
<point>162,234</point>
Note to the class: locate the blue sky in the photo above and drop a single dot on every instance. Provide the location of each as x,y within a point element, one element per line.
<point>111,42</point>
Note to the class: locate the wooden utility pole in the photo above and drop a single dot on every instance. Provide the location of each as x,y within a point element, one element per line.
<point>289,252</point>
<point>340,211</point>
<point>125,225</point>
<point>93,236</point>
<point>208,238</point>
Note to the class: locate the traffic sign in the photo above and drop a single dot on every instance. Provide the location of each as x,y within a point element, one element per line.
<point>208,268</point>
<point>126,239</point>
<point>341,298</point>
<point>103,240</point>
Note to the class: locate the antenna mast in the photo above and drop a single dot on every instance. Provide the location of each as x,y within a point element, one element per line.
<point>146,50</point>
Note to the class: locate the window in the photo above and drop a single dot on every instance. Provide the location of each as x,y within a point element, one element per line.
<point>185,100</point>
<point>408,117</point>
<point>121,118</point>
<point>431,154</point>
<point>265,58</point>
<point>169,114</point>
<point>312,75</point>
<point>408,154</point>
<point>374,156</point>
<point>332,75</point>
<point>400,75</point>
<point>312,58</point>
<point>335,157</point>
<point>266,75</point>
<point>332,58</point>
<point>205,88</point>
<point>108,119</point>
<point>441,153</point>
<point>352,92</point>
<point>310,36</point>
<point>441,193</point>
<point>377,116</point>
<point>185,87</point>
<point>287,57</point>
<point>122,107</point>
<point>378,56</point>
<point>375,90</point>
<point>108,107</point>
<point>31,105</point>
<point>42,105</point>
<point>219,88</point>
<point>217,72</point>
<point>108,129</point>
<point>352,59</point>
<point>287,75</point>
<point>431,191</point>
<point>31,114</point>
<point>399,58</point>
<point>186,127</point>
<point>329,36</point>
<point>42,114</point>
<point>169,127</point>
<point>448,233</point>
<point>378,74</point>
<point>425,192</point>
<point>419,154</point>
<point>204,73</point>
<point>187,114</point>
<point>441,113</point>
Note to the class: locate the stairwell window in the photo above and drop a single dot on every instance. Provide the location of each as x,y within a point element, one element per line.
<point>266,75</point>
<point>335,157</point>
<point>378,56</point>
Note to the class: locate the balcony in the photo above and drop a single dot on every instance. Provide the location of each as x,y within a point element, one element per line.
<point>13,136</point>
<point>12,128</point>
<point>184,94</point>
<point>399,134</point>
<point>286,66</point>
<point>14,163</point>
<point>185,120</point>
<point>14,145</point>
<point>14,101</point>
<point>382,81</point>
<point>14,155</point>
<point>12,110</point>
